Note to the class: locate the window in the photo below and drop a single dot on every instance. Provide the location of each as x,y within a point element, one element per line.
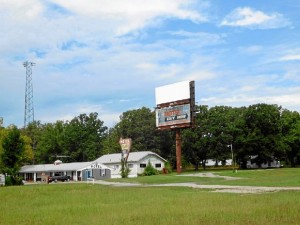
<point>158,165</point>
<point>88,173</point>
<point>102,172</point>
<point>143,165</point>
<point>130,165</point>
<point>116,167</point>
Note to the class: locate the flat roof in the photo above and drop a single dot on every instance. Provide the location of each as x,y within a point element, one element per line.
<point>59,167</point>
<point>133,157</point>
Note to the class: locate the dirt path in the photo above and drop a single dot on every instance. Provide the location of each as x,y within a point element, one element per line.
<point>211,175</point>
<point>215,188</point>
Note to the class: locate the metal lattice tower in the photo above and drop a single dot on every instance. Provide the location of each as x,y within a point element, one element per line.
<point>29,112</point>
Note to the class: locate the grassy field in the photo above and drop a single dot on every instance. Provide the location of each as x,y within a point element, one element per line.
<point>96,204</point>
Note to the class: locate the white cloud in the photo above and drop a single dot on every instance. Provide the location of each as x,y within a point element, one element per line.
<point>290,57</point>
<point>21,9</point>
<point>99,55</point>
<point>132,15</point>
<point>251,18</point>
<point>289,101</point>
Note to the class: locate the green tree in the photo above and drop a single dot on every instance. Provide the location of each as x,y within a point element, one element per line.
<point>220,127</point>
<point>111,142</point>
<point>195,140</point>
<point>28,154</point>
<point>84,137</point>
<point>262,128</point>
<point>34,131</point>
<point>290,127</point>
<point>139,125</point>
<point>13,149</point>
<point>51,142</point>
<point>2,135</point>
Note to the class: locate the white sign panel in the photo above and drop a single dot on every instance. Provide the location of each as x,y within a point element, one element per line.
<point>172,92</point>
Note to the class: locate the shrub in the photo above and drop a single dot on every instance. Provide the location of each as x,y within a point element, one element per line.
<point>124,169</point>
<point>10,181</point>
<point>150,170</point>
<point>168,167</point>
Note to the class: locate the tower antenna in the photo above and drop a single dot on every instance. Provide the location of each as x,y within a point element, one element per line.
<point>29,112</point>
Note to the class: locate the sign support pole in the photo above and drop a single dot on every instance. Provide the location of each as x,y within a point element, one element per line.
<point>178,151</point>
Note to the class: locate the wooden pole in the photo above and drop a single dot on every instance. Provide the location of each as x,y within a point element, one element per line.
<point>178,151</point>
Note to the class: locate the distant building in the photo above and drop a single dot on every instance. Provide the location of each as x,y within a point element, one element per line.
<point>105,167</point>
<point>212,162</point>
<point>251,164</point>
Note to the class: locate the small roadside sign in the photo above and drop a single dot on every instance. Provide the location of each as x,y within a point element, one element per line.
<point>2,180</point>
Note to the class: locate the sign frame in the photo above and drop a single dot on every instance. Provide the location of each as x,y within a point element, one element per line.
<point>175,103</point>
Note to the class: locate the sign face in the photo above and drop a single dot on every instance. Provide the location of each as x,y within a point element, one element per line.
<point>173,92</point>
<point>125,144</point>
<point>168,116</point>
<point>96,166</point>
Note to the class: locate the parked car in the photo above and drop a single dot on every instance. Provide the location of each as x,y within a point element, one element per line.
<point>58,178</point>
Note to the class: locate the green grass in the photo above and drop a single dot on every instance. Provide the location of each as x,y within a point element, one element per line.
<point>81,203</point>
<point>95,204</point>
<point>265,177</point>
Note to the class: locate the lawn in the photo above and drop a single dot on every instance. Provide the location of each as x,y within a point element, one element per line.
<point>81,203</point>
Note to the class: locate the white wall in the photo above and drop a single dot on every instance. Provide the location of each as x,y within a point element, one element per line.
<point>135,170</point>
<point>153,160</point>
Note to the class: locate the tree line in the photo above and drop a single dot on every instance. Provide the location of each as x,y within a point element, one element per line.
<point>262,130</point>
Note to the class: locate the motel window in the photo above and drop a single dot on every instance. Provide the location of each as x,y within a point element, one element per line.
<point>158,165</point>
<point>143,165</point>
<point>102,172</point>
<point>130,165</point>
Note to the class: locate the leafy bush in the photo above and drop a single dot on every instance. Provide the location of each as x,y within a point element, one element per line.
<point>168,167</point>
<point>150,170</point>
<point>10,181</point>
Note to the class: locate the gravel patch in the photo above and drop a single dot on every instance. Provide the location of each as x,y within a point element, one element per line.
<point>214,188</point>
<point>210,175</point>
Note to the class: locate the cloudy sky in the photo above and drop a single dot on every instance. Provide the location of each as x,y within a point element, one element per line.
<point>107,56</point>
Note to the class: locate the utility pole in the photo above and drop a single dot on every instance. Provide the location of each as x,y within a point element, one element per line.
<point>178,151</point>
<point>232,162</point>
<point>29,112</point>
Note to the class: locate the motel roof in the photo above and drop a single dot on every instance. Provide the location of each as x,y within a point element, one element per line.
<point>133,157</point>
<point>59,167</point>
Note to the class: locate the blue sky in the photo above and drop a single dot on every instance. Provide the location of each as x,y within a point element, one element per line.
<point>108,56</point>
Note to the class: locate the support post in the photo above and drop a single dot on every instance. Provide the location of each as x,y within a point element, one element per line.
<point>178,151</point>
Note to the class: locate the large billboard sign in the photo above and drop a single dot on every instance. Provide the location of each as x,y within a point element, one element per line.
<point>175,105</point>
<point>168,116</point>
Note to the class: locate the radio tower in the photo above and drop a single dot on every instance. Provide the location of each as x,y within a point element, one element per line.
<point>29,113</point>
